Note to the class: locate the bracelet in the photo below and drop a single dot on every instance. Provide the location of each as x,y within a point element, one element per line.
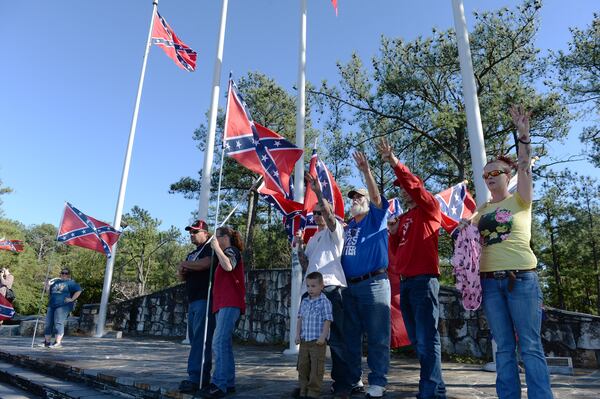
<point>525,142</point>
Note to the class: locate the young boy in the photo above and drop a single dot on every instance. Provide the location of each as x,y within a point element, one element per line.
<point>314,318</point>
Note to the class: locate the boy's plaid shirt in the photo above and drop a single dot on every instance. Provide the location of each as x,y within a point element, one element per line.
<point>313,313</point>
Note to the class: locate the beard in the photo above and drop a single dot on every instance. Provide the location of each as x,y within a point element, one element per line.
<point>359,208</point>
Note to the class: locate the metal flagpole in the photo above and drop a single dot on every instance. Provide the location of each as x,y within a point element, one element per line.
<point>37,320</point>
<point>477,146</point>
<point>296,279</point>
<point>212,121</point>
<point>119,210</point>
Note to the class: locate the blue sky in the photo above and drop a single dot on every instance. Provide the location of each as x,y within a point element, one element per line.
<point>70,69</point>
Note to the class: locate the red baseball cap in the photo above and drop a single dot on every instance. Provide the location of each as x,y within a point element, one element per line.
<point>197,225</point>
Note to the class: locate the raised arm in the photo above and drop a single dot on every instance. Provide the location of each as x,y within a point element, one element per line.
<point>520,119</point>
<point>328,213</point>
<point>363,165</point>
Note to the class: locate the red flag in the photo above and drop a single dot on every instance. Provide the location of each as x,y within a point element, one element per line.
<point>164,37</point>
<point>331,192</point>
<point>455,204</point>
<point>84,231</point>
<point>256,147</point>
<point>7,311</point>
<point>11,245</point>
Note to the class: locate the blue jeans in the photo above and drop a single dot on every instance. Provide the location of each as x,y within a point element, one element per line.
<point>55,320</point>
<point>337,343</point>
<point>367,310</point>
<point>196,317</point>
<point>420,311</point>
<point>518,311</point>
<point>224,374</point>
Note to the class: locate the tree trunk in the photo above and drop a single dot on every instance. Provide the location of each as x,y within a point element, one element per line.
<point>555,261</point>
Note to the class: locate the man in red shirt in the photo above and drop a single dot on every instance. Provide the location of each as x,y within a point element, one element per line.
<point>414,241</point>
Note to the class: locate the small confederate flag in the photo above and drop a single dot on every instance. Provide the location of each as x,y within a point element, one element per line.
<point>455,203</point>
<point>6,309</point>
<point>11,245</point>
<point>394,209</point>
<point>290,209</point>
<point>331,192</point>
<point>256,147</point>
<point>84,231</point>
<point>164,37</point>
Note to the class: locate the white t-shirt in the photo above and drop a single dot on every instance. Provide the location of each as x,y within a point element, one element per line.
<point>324,253</point>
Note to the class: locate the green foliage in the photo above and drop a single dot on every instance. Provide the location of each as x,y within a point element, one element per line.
<point>578,72</point>
<point>565,241</point>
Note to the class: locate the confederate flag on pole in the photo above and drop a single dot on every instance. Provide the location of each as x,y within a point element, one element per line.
<point>81,230</point>
<point>256,147</point>
<point>164,37</point>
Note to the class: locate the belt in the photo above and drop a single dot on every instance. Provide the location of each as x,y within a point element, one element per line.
<point>404,278</point>
<point>502,274</point>
<point>354,280</point>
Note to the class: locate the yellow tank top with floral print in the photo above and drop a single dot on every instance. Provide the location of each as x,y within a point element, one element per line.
<point>505,229</point>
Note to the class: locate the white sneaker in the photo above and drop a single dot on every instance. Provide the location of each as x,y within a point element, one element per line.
<point>375,391</point>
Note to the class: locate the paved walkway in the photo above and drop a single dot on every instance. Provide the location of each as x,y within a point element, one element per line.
<point>262,372</point>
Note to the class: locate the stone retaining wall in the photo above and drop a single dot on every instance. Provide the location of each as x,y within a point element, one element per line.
<point>266,320</point>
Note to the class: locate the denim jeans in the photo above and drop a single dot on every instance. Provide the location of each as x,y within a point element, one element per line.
<point>337,343</point>
<point>196,317</point>
<point>224,374</point>
<point>517,311</point>
<point>55,320</point>
<point>420,311</point>
<point>367,310</point>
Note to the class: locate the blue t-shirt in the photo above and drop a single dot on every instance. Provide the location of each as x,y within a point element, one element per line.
<point>366,242</point>
<point>60,290</point>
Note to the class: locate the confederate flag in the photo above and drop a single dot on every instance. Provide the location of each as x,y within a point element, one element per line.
<point>256,147</point>
<point>11,245</point>
<point>84,231</point>
<point>164,37</point>
<point>455,203</point>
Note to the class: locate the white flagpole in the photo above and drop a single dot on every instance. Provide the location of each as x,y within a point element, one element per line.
<point>296,279</point>
<point>119,210</point>
<point>212,121</point>
<point>477,146</point>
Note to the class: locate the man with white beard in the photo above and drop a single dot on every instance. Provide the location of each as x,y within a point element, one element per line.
<point>367,298</point>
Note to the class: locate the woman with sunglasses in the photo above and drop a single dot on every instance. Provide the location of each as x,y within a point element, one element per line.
<point>63,292</point>
<point>228,302</point>
<point>512,299</point>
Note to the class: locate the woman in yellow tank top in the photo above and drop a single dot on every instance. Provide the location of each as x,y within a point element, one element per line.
<point>512,299</point>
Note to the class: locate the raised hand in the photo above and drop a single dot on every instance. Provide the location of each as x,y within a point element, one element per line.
<point>312,182</point>
<point>361,161</point>
<point>387,153</point>
<point>520,119</point>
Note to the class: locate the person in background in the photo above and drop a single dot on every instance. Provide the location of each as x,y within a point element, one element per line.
<point>229,301</point>
<point>63,292</point>
<point>314,320</point>
<point>195,271</point>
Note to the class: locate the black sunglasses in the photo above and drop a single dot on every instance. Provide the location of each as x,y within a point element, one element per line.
<point>67,273</point>
<point>318,213</point>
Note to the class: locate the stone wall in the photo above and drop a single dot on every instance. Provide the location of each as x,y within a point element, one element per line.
<point>266,320</point>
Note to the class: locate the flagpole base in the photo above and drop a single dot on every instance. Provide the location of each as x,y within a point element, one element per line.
<point>292,351</point>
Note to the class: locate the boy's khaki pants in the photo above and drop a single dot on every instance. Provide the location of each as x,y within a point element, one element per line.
<point>311,367</point>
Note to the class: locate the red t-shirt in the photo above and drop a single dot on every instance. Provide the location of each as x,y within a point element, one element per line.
<point>230,289</point>
<point>415,244</point>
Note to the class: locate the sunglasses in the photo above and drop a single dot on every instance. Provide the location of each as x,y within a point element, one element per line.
<point>318,213</point>
<point>65,273</point>
<point>494,173</point>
